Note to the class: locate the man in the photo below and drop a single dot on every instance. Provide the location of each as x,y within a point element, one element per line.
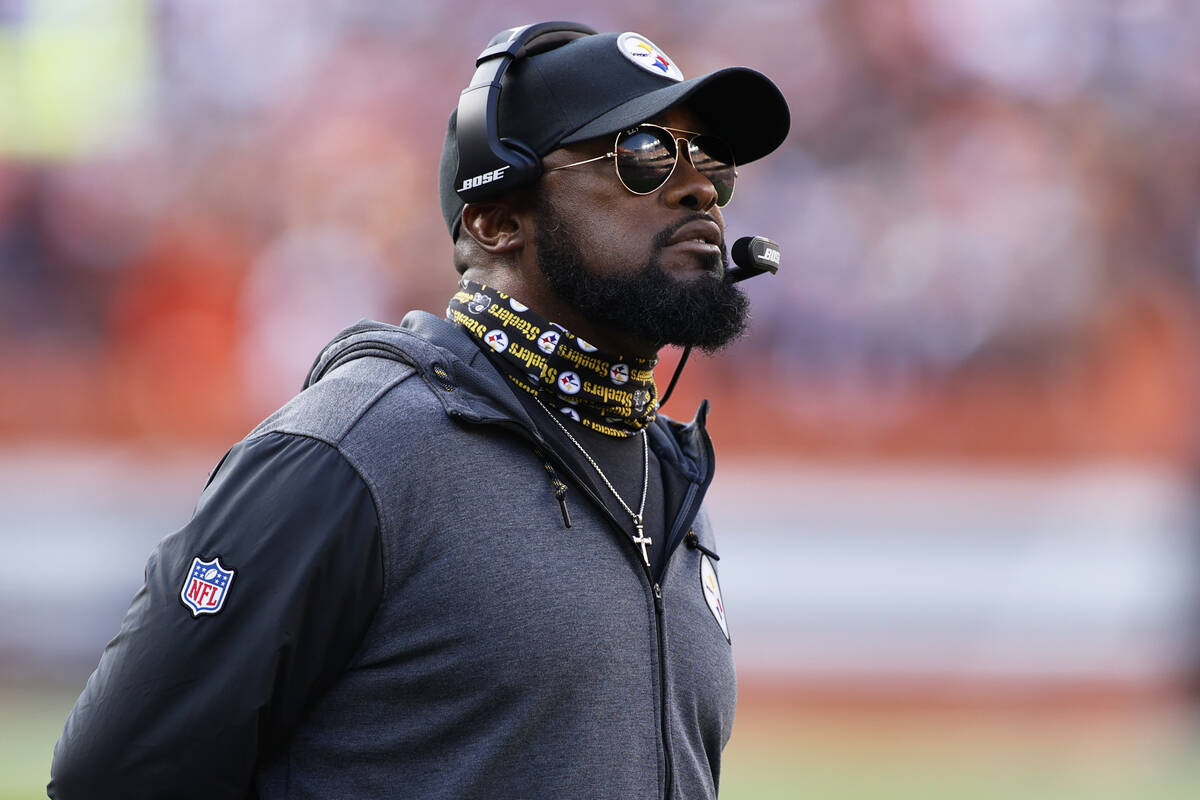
<point>469,560</point>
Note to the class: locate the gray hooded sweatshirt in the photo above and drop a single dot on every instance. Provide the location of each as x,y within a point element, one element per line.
<point>377,597</point>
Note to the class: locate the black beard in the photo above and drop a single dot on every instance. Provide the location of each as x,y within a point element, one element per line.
<point>649,305</point>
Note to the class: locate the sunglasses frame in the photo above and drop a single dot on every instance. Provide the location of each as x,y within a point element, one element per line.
<point>671,135</point>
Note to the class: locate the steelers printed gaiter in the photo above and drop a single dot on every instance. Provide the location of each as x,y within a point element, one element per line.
<point>613,395</point>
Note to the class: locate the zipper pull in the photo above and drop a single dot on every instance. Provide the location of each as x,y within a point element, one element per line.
<point>658,601</point>
<point>693,541</point>
<point>560,488</point>
<point>560,494</point>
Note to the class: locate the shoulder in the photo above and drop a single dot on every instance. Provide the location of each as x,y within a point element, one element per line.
<point>331,408</point>
<point>367,366</point>
<point>283,469</point>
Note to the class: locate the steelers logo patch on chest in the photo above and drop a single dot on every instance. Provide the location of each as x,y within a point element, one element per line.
<point>712,593</point>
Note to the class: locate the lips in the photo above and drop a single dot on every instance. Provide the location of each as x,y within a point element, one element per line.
<point>700,231</point>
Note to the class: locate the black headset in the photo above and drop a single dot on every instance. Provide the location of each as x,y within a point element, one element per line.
<point>487,164</point>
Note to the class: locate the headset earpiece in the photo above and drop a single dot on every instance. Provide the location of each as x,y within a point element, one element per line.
<point>488,164</point>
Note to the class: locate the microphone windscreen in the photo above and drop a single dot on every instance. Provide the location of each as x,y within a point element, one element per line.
<point>740,253</point>
<point>754,255</point>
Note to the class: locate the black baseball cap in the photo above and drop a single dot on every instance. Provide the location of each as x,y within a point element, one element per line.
<point>603,83</point>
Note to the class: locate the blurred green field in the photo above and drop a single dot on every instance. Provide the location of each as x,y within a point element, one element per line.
<point>777,754</point>
<point>30,722</point>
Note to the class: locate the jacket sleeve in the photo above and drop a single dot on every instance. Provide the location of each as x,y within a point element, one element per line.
<point>214,665</point>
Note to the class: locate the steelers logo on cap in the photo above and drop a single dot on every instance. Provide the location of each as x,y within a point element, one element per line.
<point>645,54</point>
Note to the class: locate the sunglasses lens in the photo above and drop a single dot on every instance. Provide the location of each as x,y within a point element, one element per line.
<point>713,159</point>
<point>645,158</point>
<point>646,155</point>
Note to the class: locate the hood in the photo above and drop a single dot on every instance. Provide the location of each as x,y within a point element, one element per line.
<point>456,370</point>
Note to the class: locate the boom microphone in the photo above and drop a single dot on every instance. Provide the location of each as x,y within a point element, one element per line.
<point>752,255</point>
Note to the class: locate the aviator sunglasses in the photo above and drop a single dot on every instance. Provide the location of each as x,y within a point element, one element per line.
<point>646,156</point>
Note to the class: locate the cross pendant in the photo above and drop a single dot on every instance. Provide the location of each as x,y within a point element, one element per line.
<point>643,540</point>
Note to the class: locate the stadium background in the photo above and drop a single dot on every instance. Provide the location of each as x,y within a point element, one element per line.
<point>958,450</point>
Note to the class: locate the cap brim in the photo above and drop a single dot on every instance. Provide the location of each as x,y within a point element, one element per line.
<point>738,104</point>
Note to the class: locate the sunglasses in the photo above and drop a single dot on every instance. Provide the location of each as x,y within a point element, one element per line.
<point>646,157</point>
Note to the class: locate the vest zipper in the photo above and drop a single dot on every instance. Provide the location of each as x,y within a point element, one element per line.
<point>662,684</point>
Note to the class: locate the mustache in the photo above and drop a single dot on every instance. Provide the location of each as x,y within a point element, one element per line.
<point>717,264</point>
<point>663,237</point>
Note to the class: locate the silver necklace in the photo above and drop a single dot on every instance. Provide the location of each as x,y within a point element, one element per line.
<point>642,540</point>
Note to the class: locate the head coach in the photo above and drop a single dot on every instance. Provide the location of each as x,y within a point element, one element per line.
<point>470,559</point>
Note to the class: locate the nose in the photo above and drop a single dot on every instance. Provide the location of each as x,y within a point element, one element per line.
<point>687,188</point>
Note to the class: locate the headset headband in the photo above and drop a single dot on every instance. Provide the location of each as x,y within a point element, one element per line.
<point>487,164</point>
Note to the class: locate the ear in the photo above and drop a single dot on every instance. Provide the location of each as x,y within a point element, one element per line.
<point>495,226</point>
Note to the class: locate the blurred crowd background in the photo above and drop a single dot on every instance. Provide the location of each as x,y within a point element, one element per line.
<point>988,211</point>
<point>967,402</point>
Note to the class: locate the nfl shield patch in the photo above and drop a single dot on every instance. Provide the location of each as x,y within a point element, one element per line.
<point>206,587</point>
